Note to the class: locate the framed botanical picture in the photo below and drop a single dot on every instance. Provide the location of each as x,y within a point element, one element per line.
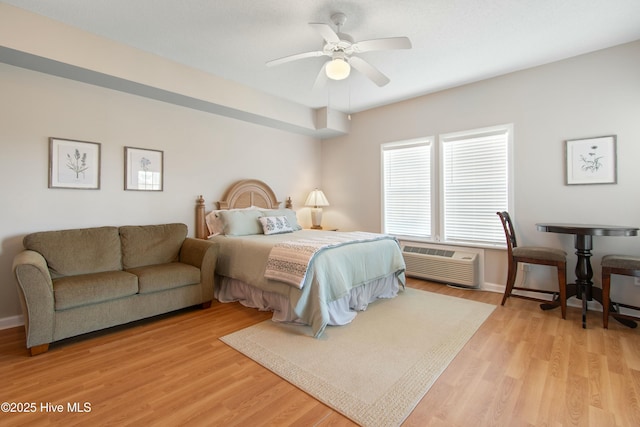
<point>74,164</point>
<point>143,169</point>
<point>591,160</point>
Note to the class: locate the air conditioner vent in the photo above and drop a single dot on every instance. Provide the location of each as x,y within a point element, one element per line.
<point>442,265</point>
<point>429,251</point>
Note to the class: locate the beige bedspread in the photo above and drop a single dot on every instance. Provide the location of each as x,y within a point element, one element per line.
<point>332,275</point>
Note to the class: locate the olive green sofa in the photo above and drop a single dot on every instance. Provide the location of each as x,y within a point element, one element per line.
<point>71,282</point>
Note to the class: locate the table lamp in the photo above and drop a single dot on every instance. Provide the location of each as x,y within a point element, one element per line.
<point>316,201</point>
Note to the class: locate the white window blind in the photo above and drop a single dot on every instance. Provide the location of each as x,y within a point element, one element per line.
<point>475,185</point>
<point>407,188</point>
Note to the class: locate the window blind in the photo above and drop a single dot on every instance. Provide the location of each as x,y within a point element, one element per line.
<point>475,186</point>
<point>407,189</point>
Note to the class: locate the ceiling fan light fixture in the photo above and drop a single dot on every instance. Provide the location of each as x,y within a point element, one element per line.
<point>344,51</point>
<point>338,69</point>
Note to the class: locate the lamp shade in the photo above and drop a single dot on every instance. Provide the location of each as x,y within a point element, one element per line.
<point>338,69</point>
<point>317,199</point>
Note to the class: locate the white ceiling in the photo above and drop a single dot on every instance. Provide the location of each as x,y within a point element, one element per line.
<point>454,41</point>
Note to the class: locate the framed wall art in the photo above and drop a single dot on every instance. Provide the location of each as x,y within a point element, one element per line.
<point>591,160</point>
<point>143,169</point>
<point>74,164</point>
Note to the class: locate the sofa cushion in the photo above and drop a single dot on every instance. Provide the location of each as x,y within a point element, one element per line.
<point>151,244</point>
<point>75,291</point>
<point>79,251</point>
<point>156,278</point>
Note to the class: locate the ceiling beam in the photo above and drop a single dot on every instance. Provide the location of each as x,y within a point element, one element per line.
<point>41,44</point>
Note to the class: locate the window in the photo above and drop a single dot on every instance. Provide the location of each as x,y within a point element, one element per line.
<point>475,185</point>
<point>473,176</point>
<point>406,188</point>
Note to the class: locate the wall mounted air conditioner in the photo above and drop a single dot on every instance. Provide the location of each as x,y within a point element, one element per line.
<point>442,265</point>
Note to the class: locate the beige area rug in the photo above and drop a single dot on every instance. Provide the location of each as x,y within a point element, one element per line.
<point>376,369</point>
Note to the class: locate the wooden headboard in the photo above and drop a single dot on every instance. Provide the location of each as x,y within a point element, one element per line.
<point>242,194</point>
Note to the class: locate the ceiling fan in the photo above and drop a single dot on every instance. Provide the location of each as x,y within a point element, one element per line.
<point>343,50</point>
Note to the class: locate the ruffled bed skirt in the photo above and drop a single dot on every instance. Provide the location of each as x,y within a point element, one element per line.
<point>341,311</point>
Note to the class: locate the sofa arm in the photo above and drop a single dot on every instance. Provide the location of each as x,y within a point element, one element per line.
<point>194,251</point>
<point>204,255</point>
<point>36,296</point>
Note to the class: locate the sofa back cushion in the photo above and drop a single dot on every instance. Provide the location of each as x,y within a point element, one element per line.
<point>78,251</point>
<point>151,244</point>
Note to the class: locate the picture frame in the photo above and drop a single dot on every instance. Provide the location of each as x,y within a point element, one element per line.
<point>143,169</point>
<point>591,160</point>
<point>74,164</point>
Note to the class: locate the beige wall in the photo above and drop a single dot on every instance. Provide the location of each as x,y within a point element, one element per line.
<point>203,154</point>
<point>591,95</point>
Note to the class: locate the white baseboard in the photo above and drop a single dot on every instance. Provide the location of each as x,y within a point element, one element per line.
<point>492,287</point>
<point>11,322</point>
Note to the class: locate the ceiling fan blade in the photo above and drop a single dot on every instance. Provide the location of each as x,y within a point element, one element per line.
<point>295,57</point>
<point>321,79</point>
<point>382,44</point>
<point>326,32</point>
<point>368,70</point>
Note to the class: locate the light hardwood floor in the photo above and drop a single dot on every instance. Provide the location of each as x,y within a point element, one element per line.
<point>524,367</point>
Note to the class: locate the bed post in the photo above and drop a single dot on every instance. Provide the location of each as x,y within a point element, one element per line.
<point>200,221</point>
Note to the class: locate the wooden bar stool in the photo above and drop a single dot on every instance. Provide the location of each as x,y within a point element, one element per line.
<point>534,255</point>
<point>625,266</point>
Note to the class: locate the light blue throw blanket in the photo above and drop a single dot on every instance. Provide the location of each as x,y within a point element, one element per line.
<point>289,261</point>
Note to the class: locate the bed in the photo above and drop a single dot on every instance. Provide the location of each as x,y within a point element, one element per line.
<point>312,277</point>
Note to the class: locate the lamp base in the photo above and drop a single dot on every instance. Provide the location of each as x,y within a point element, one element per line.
<point>316,218</point>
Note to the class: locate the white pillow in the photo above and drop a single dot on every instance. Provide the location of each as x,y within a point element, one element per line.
<point>275,224</point>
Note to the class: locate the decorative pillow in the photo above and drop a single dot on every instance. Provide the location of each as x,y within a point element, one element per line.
<point>241,222</point>
<point>290,214</point>
<point>275,224</point>
<point>214,223</point>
